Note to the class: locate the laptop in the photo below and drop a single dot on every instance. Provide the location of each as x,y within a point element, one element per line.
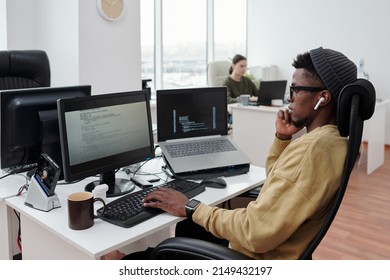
<point>197,117</point>
<point>269,90</point>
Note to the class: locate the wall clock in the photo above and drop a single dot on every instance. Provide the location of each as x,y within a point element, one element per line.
<point>111,10</point>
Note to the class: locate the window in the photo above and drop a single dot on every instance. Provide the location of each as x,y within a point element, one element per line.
<point>229,28</point>
<point>147,40</point>
<point>180,37</point>
<point>184,43</point>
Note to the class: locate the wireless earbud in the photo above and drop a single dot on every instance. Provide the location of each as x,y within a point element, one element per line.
<point>319,103</point>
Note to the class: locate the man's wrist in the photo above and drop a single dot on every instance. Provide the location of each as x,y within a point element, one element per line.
<point>283,137</point>
<point>190,207</point>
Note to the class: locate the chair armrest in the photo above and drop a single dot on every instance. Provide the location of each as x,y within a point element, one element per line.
<point>253,193</point>
<point>194,249</point>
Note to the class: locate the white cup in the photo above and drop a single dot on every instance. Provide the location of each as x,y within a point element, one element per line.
<point>100,191</point>
<point>244,99</point>
<point>277,102</point>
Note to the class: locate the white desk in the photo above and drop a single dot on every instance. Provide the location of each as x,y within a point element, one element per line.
<point>45,235</point>
<point>374,134</point>
<point>254,130</point>
<point>9,187</point>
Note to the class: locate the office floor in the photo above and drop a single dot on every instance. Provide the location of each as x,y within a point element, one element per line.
<point>362,225</point>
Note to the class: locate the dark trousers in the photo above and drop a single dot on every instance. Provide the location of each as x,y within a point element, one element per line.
<point>186,228</point>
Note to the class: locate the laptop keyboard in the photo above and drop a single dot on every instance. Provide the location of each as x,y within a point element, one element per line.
<point>128,210</point>
<point>199,148</point>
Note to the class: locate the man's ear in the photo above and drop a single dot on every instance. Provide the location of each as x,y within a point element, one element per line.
<point>327,96</point>
<point>324,99</point>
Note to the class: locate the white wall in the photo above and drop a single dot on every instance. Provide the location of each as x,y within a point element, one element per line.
<point>51,26</point>
<point>110,52</point>
<point>83,48</point>
<point>3,25</point>
<point>280,29</point>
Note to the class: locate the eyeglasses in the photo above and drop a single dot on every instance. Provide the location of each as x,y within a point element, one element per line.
<point>295,89</point>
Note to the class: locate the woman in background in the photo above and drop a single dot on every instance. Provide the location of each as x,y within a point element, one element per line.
<point>237,83</point>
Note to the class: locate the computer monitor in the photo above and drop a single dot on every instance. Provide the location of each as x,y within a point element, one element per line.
<point>102,133</point>
<point>270,90</point>
<point>29,125</point>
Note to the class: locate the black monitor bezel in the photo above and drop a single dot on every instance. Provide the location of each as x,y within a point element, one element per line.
<point>185,97</point>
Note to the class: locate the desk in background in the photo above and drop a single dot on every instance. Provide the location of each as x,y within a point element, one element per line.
<point>374,133</point>
<point>46,235</point>
<point>254,131</point>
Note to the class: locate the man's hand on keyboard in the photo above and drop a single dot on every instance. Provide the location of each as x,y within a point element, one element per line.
<point>171,201</point>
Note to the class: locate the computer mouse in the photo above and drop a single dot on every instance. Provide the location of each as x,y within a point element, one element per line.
<point>218,183</point>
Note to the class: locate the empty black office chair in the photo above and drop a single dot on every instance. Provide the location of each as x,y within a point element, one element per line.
<point>24,69</point>
<point>356,104</point>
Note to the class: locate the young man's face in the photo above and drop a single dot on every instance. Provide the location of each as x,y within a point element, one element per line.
<point>302,102</point>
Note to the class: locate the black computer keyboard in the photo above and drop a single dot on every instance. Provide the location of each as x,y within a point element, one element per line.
<point>128,210</point>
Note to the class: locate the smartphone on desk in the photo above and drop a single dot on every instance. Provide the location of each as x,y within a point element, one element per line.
<point>47,174</point>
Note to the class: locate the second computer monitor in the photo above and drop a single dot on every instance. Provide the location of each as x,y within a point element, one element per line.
<point>102,133</point>
<point>29,124</point>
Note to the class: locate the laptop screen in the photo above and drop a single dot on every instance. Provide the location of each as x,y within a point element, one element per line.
<point>191,112</point>
<point>271,90</point>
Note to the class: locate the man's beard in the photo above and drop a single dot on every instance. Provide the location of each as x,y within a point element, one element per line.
<point>299,123</point>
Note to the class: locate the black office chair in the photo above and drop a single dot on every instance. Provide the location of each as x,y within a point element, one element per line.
<point>24,69</point>
<point>356,104</point>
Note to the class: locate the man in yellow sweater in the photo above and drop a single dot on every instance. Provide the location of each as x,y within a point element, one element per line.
<point>302,175</point>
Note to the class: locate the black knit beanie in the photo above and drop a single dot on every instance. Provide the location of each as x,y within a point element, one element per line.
<point>334,69</point>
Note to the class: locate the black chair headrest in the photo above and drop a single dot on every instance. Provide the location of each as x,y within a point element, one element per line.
<point>24,68</point>
<point>366,92</point>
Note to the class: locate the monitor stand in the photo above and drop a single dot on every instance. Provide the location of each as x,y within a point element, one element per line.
<point>116,186</point>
